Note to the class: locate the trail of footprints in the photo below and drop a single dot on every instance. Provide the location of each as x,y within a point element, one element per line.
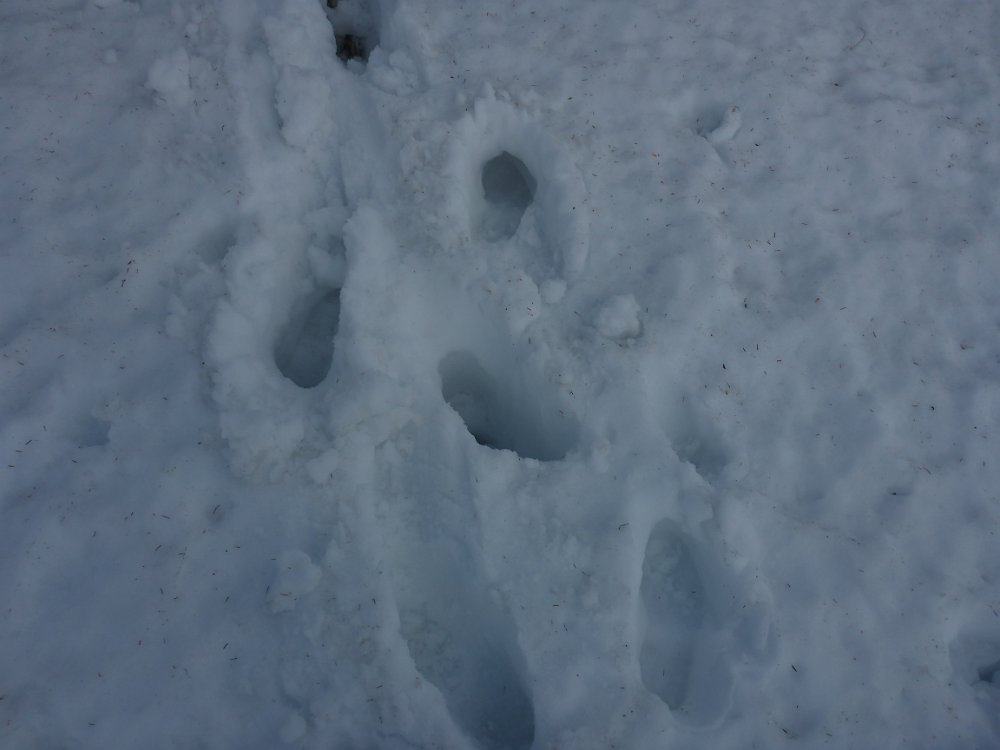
<point>682,659</point>
<point>460,637</point>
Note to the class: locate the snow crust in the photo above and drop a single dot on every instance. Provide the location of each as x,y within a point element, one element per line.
<point>547,376</point>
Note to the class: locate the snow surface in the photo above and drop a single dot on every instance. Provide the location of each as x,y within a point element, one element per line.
<point>564,375</point>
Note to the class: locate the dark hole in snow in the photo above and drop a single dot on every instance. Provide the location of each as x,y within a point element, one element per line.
<point>990,672</point>
<point>351,47</point>
<point>504,415</point>
<point>470,392</point>
<point>509,188</point>
<point>710,120</point>
<point>304,351</point>
<point>696,440</point>
<point>355,30</point>
<point>706,455</point>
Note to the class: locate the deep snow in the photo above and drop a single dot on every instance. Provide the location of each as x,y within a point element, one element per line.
<point>562,375</point>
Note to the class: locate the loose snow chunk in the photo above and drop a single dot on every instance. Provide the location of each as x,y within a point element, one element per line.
<point>170,78</point>
<point>619,318</point>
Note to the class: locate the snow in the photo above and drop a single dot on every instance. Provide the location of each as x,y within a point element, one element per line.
<point>543,376</point>
<point>619,318</point>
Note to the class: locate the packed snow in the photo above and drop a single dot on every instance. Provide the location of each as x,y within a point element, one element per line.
<point>499,375</point>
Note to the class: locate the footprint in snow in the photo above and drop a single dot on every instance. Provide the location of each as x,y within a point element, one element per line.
<point>508,190</point>
<point>462,641</point>
<point>459,632</point>
<point>354,27</point>
<point>304,349</point>
<point>689,626</point>
<point>513,184</point>
<point>695,438</point>
<point>719,124</point>
<point>507,413</point>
